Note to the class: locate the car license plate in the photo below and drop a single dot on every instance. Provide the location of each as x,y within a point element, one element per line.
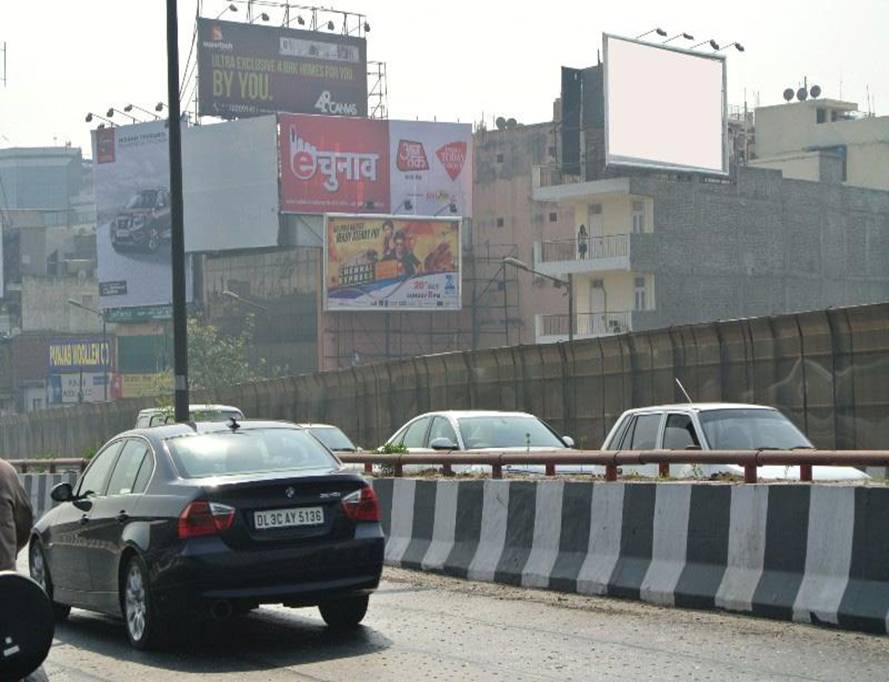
<point>286,518</point>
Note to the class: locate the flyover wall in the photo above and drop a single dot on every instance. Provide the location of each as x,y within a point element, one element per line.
<point>826,370</point>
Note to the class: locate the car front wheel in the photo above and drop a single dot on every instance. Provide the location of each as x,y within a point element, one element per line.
<point>39,571</point>
<point>144,628</point>
<point>344,614</point>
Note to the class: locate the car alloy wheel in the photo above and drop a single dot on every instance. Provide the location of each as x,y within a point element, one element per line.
<point>40,574</point>
<point>135,603</point>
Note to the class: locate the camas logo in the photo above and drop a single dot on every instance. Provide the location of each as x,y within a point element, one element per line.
<point>452,157</point>
<point>306,160</point>
<point>411,156</point>
<point>326,105</point>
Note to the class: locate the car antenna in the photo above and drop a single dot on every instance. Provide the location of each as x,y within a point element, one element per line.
<point>684,392</point>
<point>233,424</point>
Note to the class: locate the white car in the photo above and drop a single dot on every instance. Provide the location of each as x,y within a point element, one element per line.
<point>158,416</point>
<point>331,436</point>
<point>481,431</point>
<point>716,426</point>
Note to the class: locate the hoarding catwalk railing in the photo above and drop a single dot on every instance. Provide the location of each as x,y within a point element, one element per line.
<point>585,248</point>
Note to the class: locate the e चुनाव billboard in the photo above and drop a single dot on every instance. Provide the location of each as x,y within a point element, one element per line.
<point>333,164</point>
<point>664,107</point>
<point>391,263</point>
<point>249,70</point>
<point>337,164</point>
<point>133,217</point>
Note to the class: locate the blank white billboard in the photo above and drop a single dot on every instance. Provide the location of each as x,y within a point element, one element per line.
<point>664,107</point>
<point>230,185</point>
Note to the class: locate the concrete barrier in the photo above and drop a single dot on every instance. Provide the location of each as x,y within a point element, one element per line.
<point>39,486</point>
<point>814,554</point>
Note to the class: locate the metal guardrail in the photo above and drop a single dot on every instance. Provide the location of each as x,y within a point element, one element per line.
<point>588,324</point>
<point>585,248</point>
<point>51,466</point>
<point>750,460</point>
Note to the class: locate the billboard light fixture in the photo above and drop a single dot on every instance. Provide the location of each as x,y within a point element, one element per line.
<point>686,36</point>
<point>712,43</point>
<point>661,32</point>
<point>300,20</point>
<point>129,107</point>
<point>330,26</point>
<point>366,27</point>
<point>159,106</point>
<point>736,45</point>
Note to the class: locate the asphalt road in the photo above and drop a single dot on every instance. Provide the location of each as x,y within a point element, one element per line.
<point>426,627</point>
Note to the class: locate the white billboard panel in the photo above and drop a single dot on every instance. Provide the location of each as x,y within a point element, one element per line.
<point>134,224</point>
<point>430,168</point>
<point>664,107</point>
<point>230,185</point>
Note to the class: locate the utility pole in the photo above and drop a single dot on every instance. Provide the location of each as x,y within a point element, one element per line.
<point>180,340</point>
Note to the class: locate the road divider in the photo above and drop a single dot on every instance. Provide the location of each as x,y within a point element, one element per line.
<point>815,554</point>
<point>39,486</point>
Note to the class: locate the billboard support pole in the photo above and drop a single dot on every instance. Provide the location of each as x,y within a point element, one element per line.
<point>180,341</point>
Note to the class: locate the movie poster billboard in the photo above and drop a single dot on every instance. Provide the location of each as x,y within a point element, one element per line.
<point>431,168</point>
<point>391,263</point>
<point>333,164</point>
<point>134,222</point>
<point>249,70</point>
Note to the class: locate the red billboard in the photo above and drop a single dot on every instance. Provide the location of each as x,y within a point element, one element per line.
<point>333,164</point>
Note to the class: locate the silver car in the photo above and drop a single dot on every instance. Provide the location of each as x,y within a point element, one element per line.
<point>716,426</point>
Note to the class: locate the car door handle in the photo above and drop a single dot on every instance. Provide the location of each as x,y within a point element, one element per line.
<point>123,517</point>
<point>84,519</point>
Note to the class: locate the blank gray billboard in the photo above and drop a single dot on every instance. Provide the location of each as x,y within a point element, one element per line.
<point>664,107</point>
<point>230,185</point>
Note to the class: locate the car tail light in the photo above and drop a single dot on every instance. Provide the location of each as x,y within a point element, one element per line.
<point>205,518</point>
<point>362,505</point>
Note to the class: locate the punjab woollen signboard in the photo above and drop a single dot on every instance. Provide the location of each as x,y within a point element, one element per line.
<point>249,70</point>
<point>391,263</point>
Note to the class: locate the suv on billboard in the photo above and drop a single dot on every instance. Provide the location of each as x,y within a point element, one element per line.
<point>144,223</point>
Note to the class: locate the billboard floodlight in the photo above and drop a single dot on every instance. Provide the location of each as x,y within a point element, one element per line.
<point>661,32</point>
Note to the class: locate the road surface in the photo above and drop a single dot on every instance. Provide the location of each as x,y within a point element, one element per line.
<point>426,627</point>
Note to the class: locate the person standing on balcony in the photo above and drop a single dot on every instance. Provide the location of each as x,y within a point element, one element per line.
<point>583,242</point>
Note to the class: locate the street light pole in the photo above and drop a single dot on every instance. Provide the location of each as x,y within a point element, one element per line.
<point>568,284</point>
<point>180,329</point>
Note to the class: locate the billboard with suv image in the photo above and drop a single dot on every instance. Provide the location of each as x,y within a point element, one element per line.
<point>132,178</point>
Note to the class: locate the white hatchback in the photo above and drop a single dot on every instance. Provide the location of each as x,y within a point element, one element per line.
<point>716,426</point>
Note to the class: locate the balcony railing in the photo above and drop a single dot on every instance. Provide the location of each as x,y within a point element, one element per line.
<point>587,324</point>
<point>585,248</point>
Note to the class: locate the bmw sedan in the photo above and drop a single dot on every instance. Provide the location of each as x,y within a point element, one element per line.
<point>208,521</point>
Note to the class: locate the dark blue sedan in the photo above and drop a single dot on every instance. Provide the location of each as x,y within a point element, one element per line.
<point>210,521</point>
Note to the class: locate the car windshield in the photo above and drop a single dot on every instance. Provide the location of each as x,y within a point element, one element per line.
<point>740,429</point>
<point>333,438</point>
<point>506,432</point>
<point>214,415</point>
<point>146,199</point>
<point>247,451</point>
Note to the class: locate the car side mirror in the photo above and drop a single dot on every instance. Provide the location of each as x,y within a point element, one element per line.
<point>442,443</point>
<point>62,493</point>
<point>568,441</point>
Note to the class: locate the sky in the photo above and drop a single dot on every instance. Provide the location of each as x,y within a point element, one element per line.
<point>456,60</point>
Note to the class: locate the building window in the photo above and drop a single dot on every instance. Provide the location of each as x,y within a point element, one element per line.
<point>500,158</point>
<point>552,152</point>
<point>638,217</point>
<point>640,293</point>
<point>36,404</point>
<point>499,222</point>
<point>821,115</point>
<point>553,217</point>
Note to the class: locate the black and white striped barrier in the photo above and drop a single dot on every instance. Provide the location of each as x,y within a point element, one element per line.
<point>817,554</point>
<point>39,486</point>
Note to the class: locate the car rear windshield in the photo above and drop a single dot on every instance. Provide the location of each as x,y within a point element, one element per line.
<point>247,451</point>
<point>333,438</point>
<point>739,429</point>
<point>506,432</point>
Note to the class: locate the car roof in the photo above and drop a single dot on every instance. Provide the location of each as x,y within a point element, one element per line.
<point>698,407</point>
<point>167,431</point>
<point>195,407</point>
<point>475,413</point>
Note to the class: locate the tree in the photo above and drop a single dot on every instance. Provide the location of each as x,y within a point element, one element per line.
<point>215,360</point>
